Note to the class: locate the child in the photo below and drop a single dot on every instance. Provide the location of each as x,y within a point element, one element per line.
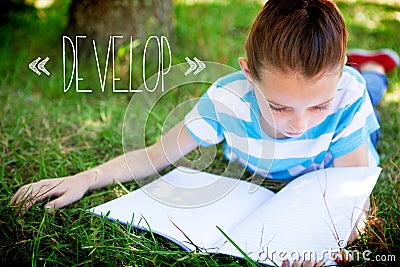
<point>294,92</point>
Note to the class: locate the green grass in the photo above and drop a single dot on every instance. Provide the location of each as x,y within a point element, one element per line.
<point>47,133</point>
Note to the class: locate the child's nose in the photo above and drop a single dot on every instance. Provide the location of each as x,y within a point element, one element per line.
<point>298,123</point>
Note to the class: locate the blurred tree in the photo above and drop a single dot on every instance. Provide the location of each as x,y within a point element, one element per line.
<point>98,19</point>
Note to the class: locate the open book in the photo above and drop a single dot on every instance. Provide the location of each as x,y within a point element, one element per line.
<point>312,217</point>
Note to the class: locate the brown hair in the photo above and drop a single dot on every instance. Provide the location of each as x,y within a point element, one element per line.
<point>304,36</point>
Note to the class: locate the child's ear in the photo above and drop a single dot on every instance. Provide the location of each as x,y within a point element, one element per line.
<point>244,66</point>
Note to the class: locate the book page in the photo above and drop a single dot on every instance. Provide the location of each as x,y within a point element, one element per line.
<point>312,217</point>
<point>194,201</point>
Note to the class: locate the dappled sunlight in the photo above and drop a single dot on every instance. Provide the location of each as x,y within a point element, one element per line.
<point>386,2</point>
<point>393,95</point>
<point>40,4</point>
<point>101,122</point>
<point>370,22</point>
<point>191,2</point>
<point>194,2</point>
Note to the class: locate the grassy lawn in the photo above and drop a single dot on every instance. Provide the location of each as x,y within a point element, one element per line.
<point>46,133</point>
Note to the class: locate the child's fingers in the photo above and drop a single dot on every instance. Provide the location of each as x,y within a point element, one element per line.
<point>19,195</point>
<point>23,199</point>
<point>24,196</point>
<point>297,263</point>
<point>286,263</point>
<point>343,256</point>
<point>28,195</point>
<point>58,203</point>
<point>308,263</point>
<point>301,263</point>
<point>23,207</point>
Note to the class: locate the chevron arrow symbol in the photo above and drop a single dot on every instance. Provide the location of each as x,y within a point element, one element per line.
<point>194,67</point>
<point>40,66</point>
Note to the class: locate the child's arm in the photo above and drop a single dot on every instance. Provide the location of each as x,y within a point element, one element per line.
<point>143,162</point>
<point>357,157</point>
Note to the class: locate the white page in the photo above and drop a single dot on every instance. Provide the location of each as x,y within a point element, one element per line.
<point>194,201</point>
<point>296,219</point>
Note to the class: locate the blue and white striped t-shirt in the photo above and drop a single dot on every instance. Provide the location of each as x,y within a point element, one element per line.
<point>229,111</point>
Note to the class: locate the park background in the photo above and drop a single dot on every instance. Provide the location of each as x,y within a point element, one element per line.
<point>46,132</point>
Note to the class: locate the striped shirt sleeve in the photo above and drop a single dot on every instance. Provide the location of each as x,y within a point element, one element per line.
<point>202,122</point>
<point>357,119</point>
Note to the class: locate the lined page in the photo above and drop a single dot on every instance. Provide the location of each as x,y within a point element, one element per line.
<point>297,221</point>
<point>195,201</point>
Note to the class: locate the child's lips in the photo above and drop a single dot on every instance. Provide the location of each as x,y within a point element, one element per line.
<point>293,134</point>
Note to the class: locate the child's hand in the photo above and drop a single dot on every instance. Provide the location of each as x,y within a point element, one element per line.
<point>300,263</point>
<point>66,190</point>
<point>342,257</point>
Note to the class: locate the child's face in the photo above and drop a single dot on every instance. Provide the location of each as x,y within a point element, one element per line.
<point>291,104</point>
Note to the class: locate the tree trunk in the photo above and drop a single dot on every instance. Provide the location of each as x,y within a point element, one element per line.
<point>99,19</point>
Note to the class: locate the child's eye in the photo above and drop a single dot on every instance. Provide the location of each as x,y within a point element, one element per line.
<point>276,109</point>
<point>320,108</point>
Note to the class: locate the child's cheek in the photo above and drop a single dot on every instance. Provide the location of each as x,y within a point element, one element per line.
<point>319,118</point>
<point>279,120</point>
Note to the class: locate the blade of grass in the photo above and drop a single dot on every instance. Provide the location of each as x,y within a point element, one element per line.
<point>250,261</point>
